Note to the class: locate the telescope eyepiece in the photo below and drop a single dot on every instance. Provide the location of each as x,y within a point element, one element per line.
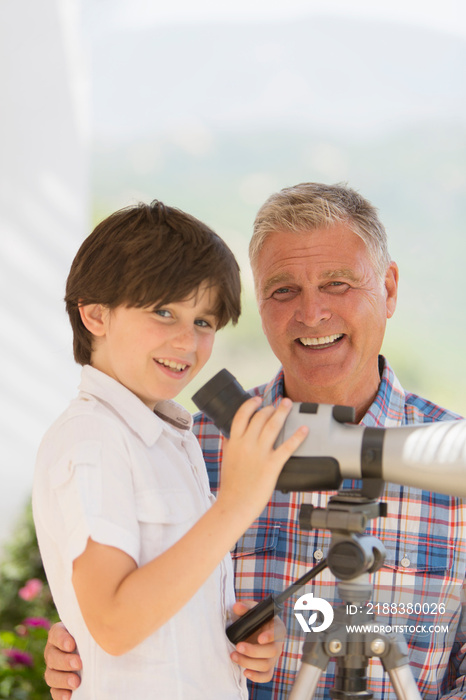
<point>220,398</point>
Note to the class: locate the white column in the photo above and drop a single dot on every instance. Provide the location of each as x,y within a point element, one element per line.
<point>44,164</point>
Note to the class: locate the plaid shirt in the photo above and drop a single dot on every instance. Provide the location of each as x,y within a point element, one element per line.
<point>425,540</point>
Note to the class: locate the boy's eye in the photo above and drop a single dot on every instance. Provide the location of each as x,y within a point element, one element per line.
<point>165,313</point>
<point>202,323</point>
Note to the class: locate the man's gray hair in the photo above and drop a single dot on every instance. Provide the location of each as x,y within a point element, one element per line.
<point>312,205</point>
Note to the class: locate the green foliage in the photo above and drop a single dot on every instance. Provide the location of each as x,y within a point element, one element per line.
<point>26,612</point>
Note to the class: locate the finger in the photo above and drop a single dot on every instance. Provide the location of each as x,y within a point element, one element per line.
<point>242,607</point>
<point>60,637</point>
<point>257,670</point>
<point>287,448</point>
<point>273,631</point>
<point>60,681</point>
<point>243,415</point>
<point>60,661</point>
<point>257,677</point>
<point>253,663</point>
<point>266,424</point>
<point>60,694</point>
<point>259,651</point>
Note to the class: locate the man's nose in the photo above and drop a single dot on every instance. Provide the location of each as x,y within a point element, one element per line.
<point>313,307</point>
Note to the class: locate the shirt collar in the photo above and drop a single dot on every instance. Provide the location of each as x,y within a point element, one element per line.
<point>273,391</point>
<point>146,423</point>
<point>386,409</point>
<point>388,406</point>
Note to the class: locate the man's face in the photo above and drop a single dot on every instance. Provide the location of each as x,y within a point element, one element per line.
<point>324,310</point>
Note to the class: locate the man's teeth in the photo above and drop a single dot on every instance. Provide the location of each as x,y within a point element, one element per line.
<point>173,365</point>
<point>323,340</point>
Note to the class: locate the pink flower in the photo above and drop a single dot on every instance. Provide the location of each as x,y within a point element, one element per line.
<point>16,657</point>
<point>37,622</point>
<point>31,590</point>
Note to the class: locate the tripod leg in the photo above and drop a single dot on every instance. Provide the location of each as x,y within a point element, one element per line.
<point>315,662</point>
<point>403,683</point>
<point>305,683</point>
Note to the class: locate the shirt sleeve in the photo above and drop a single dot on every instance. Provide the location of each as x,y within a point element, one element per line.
<point>90,489</point>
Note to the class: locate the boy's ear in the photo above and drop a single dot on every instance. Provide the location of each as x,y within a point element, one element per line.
<point>94,318</point>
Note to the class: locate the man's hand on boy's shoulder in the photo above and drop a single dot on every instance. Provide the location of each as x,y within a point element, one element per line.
<point>60,673</point>
<point>259,655</point>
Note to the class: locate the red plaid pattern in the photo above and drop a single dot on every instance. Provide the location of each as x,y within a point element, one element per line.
<point>425,539</point>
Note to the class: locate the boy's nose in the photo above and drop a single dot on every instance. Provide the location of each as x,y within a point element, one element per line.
<point>186,339</point>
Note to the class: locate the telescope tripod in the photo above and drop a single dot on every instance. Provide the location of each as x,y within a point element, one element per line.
<point>352,556</point>
<point>352,651</point>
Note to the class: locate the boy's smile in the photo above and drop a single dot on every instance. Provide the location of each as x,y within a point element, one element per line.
<point>154,351</point>
<point>170,364</point>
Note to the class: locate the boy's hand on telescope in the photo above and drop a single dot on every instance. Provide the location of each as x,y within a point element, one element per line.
<point>62,664</point>
<point>259,655</point>
<point>251,465</point>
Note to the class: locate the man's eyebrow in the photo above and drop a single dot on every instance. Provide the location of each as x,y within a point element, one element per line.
<point>344,272</point>
<point>279,278</point>
<point>285,278</point>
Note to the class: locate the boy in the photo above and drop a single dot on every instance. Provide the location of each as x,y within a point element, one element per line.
<point>134,545</point>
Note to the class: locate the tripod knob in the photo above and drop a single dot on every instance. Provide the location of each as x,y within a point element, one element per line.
<point>353,555</point>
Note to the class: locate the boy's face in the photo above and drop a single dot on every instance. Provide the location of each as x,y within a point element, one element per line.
<point>154,352</point>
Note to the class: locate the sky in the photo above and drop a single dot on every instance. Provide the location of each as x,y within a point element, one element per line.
<point>449,15</point>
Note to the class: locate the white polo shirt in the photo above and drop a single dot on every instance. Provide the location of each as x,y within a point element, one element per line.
<point>111,469</point>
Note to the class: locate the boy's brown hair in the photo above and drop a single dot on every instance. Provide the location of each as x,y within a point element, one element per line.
<point>144,255</point>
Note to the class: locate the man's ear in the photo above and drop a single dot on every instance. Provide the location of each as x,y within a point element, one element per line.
<point>94,318</point>
<point>391,288</point>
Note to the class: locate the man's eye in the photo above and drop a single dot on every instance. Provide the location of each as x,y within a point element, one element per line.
<point>337,287</point>
<point>203,323</point>
<point>283,293</point>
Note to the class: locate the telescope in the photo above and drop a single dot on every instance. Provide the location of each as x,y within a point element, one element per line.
<point>429,456</point>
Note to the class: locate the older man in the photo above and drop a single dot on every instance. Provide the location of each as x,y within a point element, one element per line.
<point>326,286</point>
